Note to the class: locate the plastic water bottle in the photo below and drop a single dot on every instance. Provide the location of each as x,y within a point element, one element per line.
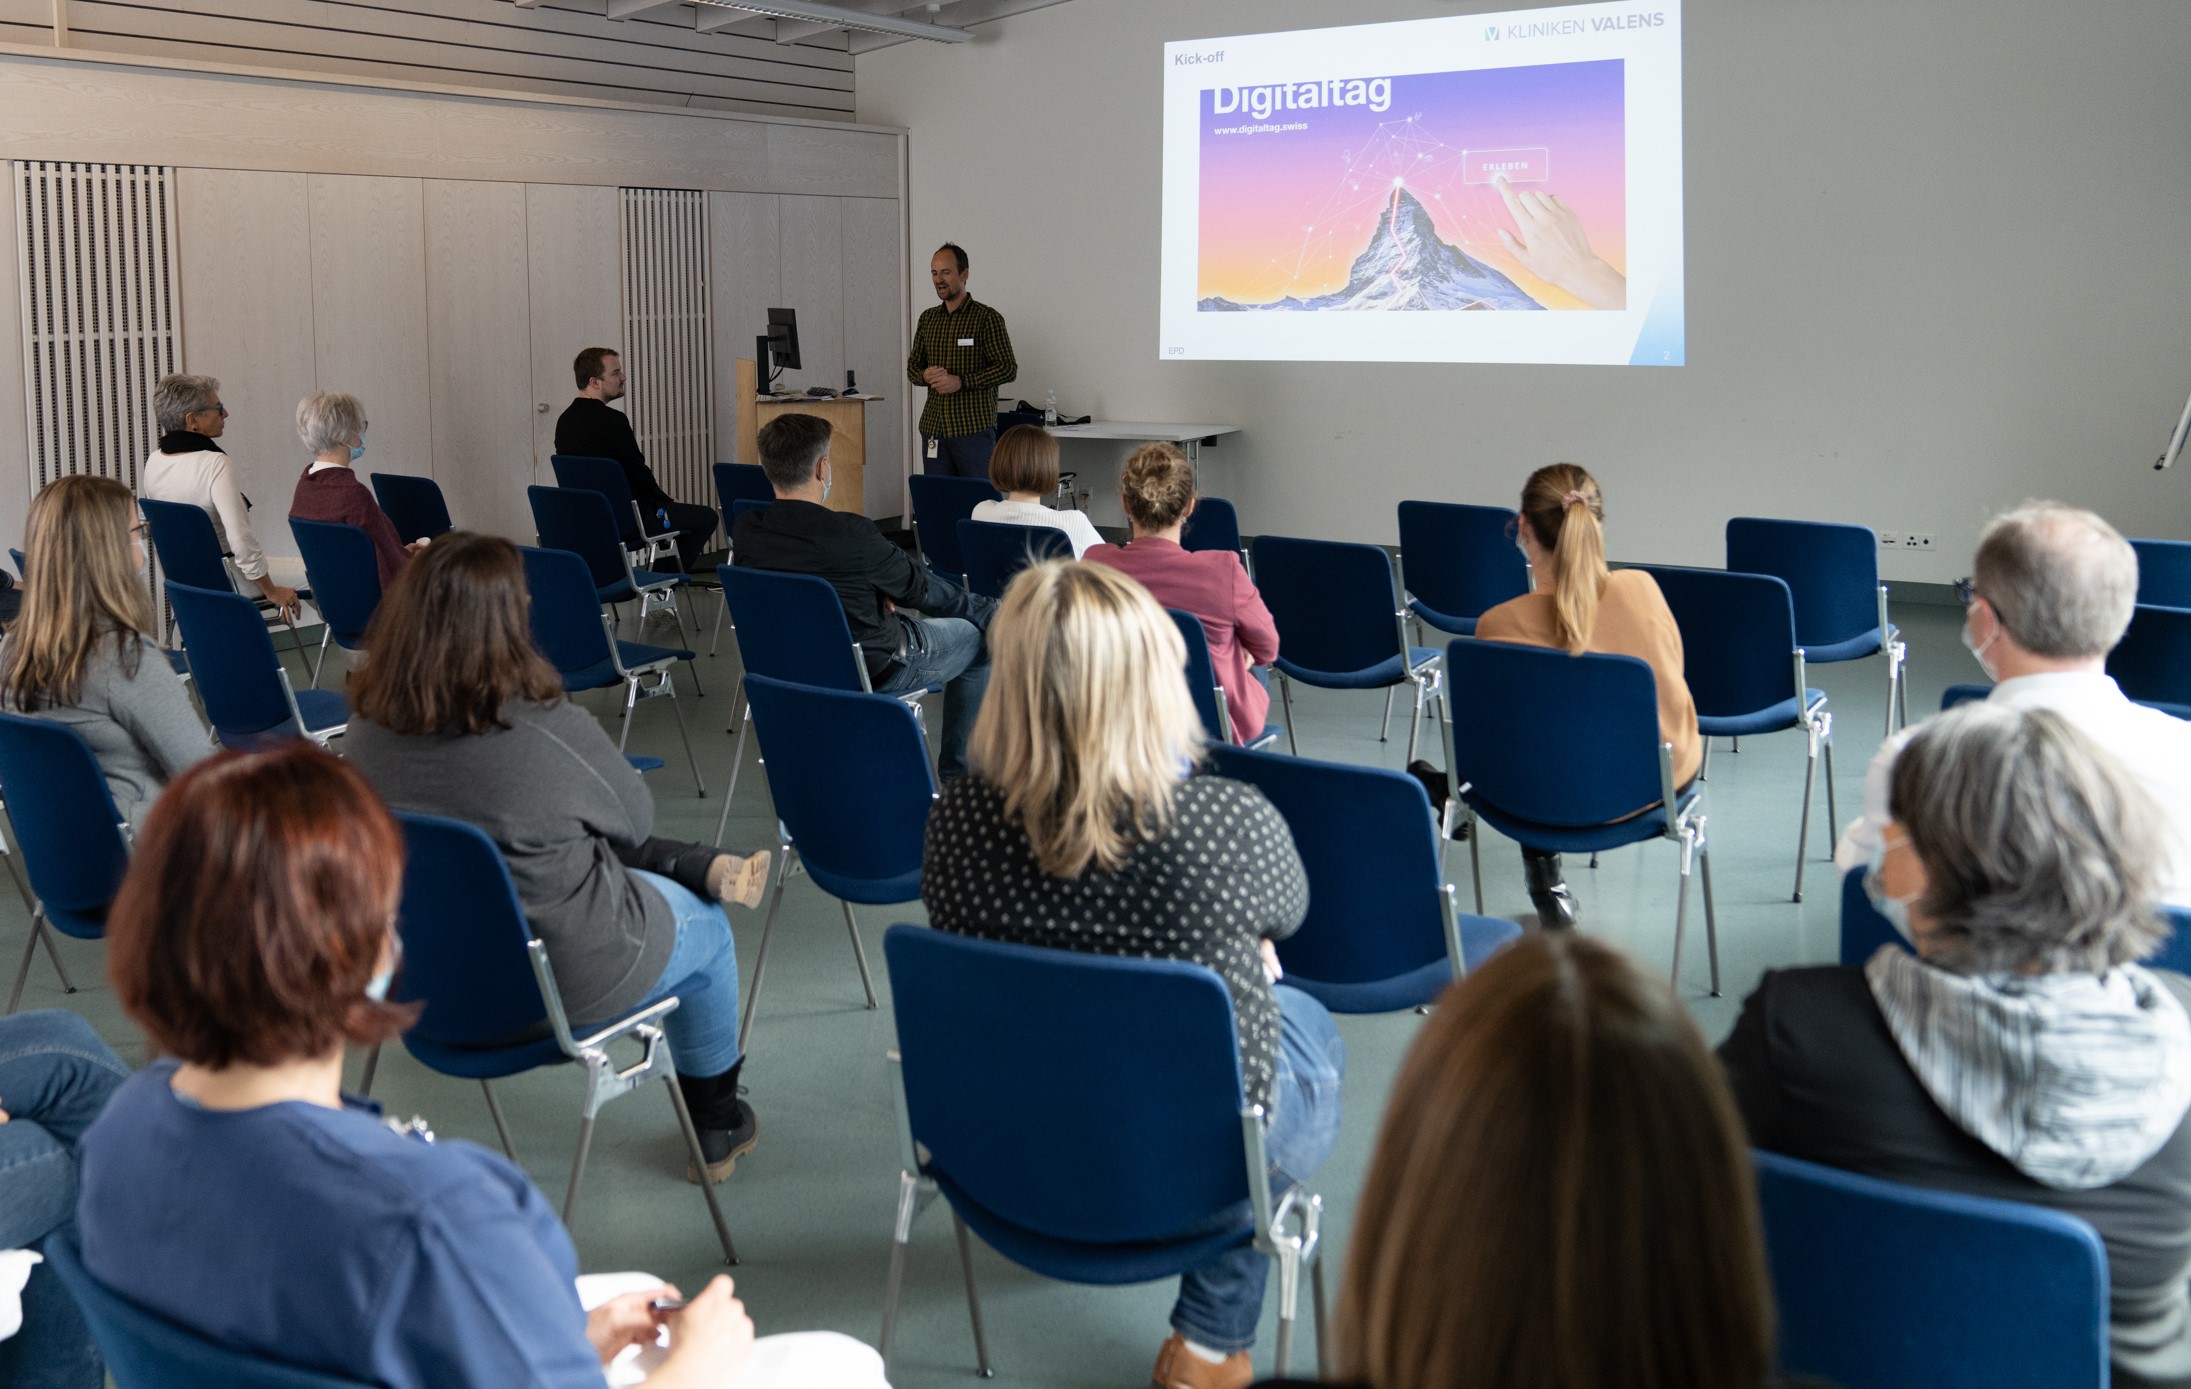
<point>1049,411</point>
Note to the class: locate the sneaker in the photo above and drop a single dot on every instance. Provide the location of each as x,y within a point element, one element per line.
<point>723,1147</point>
<point>740,880</point>
<point>1180,1368</point>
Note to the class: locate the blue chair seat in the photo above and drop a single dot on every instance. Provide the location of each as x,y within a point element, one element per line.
<point>649,578</point>
<point>866,892</point>
<point>1963,694</point>
<point>1855,648</point>
<point>1480,937</point>
<point>1579,839</point>
<point>642,763</point>
<point>1444,622</point>
<point>603,673</point>
<point>1101,1265</point>
<point>2180,711</point>
<point>1773,718</point>
<point>1376,677</point>
<point>180,660</point>
<point>488,1062</point>
<point>322,709</point>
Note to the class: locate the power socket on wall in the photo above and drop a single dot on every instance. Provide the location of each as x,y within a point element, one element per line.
<point>1905,540</point>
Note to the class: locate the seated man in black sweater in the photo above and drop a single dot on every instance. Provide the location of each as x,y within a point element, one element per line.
<point>914,628</point>
<point>590,429</point>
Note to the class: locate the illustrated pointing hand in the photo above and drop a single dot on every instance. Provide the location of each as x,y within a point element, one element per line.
<point>1551,245</point>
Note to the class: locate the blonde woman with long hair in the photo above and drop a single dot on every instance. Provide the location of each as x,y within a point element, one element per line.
<point>81,653</point>
<point>1579,605</point>
<point>1082,827</point>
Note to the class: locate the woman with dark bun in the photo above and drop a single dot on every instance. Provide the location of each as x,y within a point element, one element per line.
<point>1157,486</point>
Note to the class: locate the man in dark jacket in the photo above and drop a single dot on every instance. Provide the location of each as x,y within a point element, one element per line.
<point>590,429</point>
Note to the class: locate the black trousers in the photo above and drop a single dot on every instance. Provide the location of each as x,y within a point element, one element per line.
<point>695,526</point>
<point>683,864</point>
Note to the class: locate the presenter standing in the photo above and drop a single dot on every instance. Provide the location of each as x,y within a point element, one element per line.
<point>961,353</point>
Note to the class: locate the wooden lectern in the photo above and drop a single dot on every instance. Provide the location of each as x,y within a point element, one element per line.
<point>847,416</point>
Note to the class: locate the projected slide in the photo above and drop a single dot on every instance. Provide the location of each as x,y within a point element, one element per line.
<point>1487,188</point>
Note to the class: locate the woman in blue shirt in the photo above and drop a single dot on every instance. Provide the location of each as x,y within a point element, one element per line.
<point>232,1189</point>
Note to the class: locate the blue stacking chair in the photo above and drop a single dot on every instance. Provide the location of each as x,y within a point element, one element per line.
<point>345,573</point>
<point>2152,662</point>
<point>1883,1286</point>
<point>993,552</point>
<point>2164,572</point>
<point>737,482</point>
<point>1558,752</point>
<point>144,1351</point>
<point>1832,571</point>
<point>1382,931</point>
<point>575,635</point>
<point>413,505</point>
<point>1084,1114</point>
<point>490,1005</point>
<point>734,509</point>
<point>241,682</point>
<point>1341,625</point>
<point>188,552</point>
<point>1458,562</point>
<point>1746,672</point>
<point>1207,690</point>
<point>1864,930</point>
<point>863,847</point>
<point>579,519</point>
<point>646,542</point>
<point>939,504</point>
<point>75,844</point>
<point>1214,524</point>
<point>1962,694</point>
<point>794,630</point>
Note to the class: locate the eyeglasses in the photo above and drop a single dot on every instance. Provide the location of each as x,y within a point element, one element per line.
<point>1966,591</point>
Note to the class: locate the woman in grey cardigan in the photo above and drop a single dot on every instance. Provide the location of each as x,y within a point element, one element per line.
<point>457,714</point>
<point>82,653</point>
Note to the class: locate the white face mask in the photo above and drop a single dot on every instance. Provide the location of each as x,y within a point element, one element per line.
<point>1978,649</point>
<point>377,987</point>
<point>1895,909</point>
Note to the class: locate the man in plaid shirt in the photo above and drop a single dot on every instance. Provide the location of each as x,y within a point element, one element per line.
<point>961,353</point>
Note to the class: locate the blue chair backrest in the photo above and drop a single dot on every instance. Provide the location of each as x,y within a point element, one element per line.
<point>745,505</point>
<point>1370,847</point>
<point>2164,572</point>
<point>939,504</point>
<point>578,519</point>
<point>232,657</point>
<point>464,938</point>
<point>737,482</point>
<point>993,552</point>
<point>1461,560</point>
<point>1213,525</point>
<point>1864,930</point>
<point>2153,660</point>
<point>850,777</point>
<point>566,612</point>
<point>1832,572</point>
<point>190,551</point>
<point>791,627</point>
<point>344,573</point>
<point>1202,684</point>
<point>1333,602</point>
<point>64,817</point>
<point>1737,637</point>
<point>606,476</point>
<point>413,505</point>
<point>1081,1096</point>
<point>1554,738</point>
<point>144,1351</point>
<point>1883,1286</point>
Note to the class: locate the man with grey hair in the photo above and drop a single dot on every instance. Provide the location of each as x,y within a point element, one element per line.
<point>2051,594</point>
<point>188,467</point>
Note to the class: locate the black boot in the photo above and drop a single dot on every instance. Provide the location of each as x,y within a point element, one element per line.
<point>1548,891</point>
<point>727,1128</point>
<point>1438,787</point>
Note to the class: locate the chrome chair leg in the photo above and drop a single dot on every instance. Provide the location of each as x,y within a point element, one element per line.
<point>1414,720</point>
<point>22,972</point>
<point>1475,858</point>
<point>1384,730</point>
<point>578,1168</point>
<point>1803,835</point>
<point>1681,903</point>
<point>1316,1291</point>
<point>1711,918</point>
<point>737,760</point>
<point>760,956</point>
<point>1289,1299</point>
<point>1704,769</point>
<point>372,1068</point>
<point>700,1165</point>
<point>1285,697</point>
<point>859,952</point>
<point>53,953</point>
<point>321,663</point>
<point>717,640</point>
<point>913,1195</point>
<point>973,1299</point>
<point>509,1148</point>
<point>1833,811</point>
<point>699,787</point>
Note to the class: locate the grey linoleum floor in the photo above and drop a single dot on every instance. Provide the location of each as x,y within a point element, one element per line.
<point>812,1207</point>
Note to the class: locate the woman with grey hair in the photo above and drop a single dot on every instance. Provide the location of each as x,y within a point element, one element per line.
<point>2020,1053</point>
<point>332,425</point>
<point>189,467</point>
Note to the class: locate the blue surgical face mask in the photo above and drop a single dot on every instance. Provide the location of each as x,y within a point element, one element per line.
<point>377,987</point>
<point>357,450</point>
<point>1895,909</point>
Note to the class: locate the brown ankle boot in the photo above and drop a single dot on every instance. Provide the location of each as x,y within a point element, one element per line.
<point>1180,1368</point>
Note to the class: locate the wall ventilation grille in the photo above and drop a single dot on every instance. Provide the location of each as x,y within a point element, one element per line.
<point>666,338</point>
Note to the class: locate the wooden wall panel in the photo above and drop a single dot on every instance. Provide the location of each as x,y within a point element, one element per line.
<point>572,268</point>
<point>812,262</point>
<point>745,282</point>
<point>369,311</point>
<point>243,242</point>
<point>874,331</point>
<point>479,358</point>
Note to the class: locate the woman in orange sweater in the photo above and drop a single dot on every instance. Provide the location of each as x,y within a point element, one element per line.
<point>1580,605</point>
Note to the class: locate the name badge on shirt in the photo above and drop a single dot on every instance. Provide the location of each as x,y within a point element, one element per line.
<point>966,342</point>
<point>933,446</point>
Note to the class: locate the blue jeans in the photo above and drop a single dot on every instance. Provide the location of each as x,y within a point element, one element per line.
<point>1220,1302</point>
<point>947,647</point>
<point>55,1077</point>
<point>964,455</point>
<point>702,974</point>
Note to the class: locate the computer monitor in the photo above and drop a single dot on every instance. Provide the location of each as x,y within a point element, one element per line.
<point>783,338</point>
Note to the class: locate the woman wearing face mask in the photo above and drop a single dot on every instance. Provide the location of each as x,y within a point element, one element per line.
<point>82,652</point>
<point>332,425</point>
<point>2019,1053</point>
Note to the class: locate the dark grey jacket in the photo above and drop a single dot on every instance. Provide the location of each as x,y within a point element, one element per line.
<point>561,801</point>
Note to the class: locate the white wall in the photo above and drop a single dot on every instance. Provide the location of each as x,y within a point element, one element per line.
<point>1937,262</point>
